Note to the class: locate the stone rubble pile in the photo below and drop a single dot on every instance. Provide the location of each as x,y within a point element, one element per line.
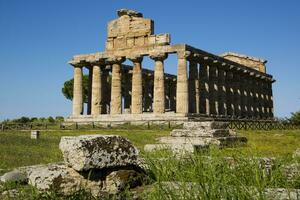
<point>101,164</point>
<point>196,136</point>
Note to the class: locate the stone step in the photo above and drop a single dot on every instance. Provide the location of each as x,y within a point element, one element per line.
<point>186,140</point>
<point>175,148</point>
<point>200,133</point>
<point>183,144</point>
<point>208,125</point>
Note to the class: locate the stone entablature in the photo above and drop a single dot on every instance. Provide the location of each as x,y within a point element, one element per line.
<point>205,84</point>
<point>249,61</point>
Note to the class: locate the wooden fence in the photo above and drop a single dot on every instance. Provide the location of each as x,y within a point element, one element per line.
<point>233,124</point>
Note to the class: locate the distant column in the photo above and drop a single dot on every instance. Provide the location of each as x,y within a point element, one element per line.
<point>222,91</point>
<point>137,87</point>
<point>116,86</point>
<point>266,100</point>
<point>204,88</point>
<point>255,98</point>
<point>173,94</point>
<point>89,103</point>
<point>270,94</point>
<point>237,95</point>
<point>77,92</point>
<point>244,95</point>
<point>230,93</point>
<point>182,97</point>
<point>250,96</point>
<point>193,87</point>
<point>159,82</point>
<point>213,90</point>
<point>147,93</point>
<point>106,92</point>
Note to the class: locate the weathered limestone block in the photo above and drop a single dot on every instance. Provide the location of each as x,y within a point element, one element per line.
<point>117,181</point>
<point>97,151</point>
<point>35,134</point>
<point>207,125</point>
<point>13,176</point>
<point>200,133</point>
<point>62,179</point>
<point>176,148</point>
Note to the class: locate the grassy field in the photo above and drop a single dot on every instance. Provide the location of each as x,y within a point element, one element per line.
<point>17,149</point>
<point>213,178</point>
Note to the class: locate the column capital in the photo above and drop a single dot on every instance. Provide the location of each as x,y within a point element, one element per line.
<point>98,62</point>
<point>135,58</point>
<point>183,54</point>
<point>115,60</point>
<point>158,56</point>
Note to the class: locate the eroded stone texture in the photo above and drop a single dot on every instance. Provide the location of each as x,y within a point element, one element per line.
<point>196,136</point>
<point>13,176</point>
<point>97,151</point>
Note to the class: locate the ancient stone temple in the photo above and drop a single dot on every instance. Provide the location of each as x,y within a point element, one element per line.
<point>206,85</point>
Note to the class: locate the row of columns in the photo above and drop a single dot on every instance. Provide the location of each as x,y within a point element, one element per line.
<point>203,87</point>
<point>96,95</point>
<point>232,92</point>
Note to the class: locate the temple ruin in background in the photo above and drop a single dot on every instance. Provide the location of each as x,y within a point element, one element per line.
<point>205,86</point>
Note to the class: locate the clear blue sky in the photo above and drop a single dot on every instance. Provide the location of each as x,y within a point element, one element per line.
<point>37,38</point>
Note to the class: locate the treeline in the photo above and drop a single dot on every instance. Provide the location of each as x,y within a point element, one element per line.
<point>26,120</point>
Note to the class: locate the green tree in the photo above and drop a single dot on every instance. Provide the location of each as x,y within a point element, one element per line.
<point>295,118</point>
<point>59,119</point>
<point>51,119</point>
<point>67,90</point>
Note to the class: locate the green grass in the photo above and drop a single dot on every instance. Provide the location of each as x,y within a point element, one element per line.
<point>213,177</point>
<point>17,149</point>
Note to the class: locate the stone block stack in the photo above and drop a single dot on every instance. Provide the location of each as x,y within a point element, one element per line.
<point>102,164</point>
<point>195,136</point>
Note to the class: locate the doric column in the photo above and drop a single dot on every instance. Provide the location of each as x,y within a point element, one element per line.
<point>159,83</point>
<point>147,106</point>
<point>97,89</point>
<point>250,93</point>
<point>270,94</point>
<point>204,88</point>
<point>89,103</point>
<point>137,87</point>
<point>262,98</point>
<point>182,97</point>
<point>173,94</point>
<point>230,93</point>
<point>213,90</point>
<point>244,95</point>
<point>237,94</point>
<point>77,92</point>
<point>266,99</point>
<point>255,98</point>
<point>126,84</point>
<point>106,92</point>
<point>116,86</point>
<point>193,87</point>
<point>222,91</point>
<point>167,93</point>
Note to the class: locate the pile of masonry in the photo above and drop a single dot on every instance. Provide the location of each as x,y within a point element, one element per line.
<point>198,136</point>
<point>101,164</point>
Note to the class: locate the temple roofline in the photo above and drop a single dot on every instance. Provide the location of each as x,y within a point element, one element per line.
<point>169,49</point>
